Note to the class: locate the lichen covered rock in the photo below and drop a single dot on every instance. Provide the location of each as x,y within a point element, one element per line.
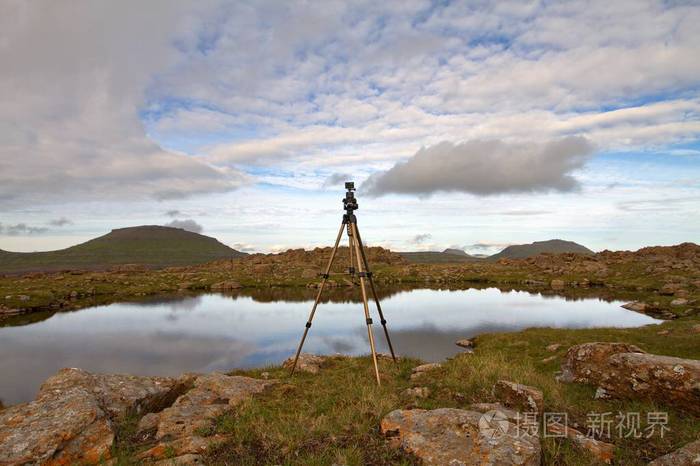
<point>449,436</point>
<point>71,421</point>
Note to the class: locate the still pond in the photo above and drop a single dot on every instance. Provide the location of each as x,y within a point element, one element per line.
<point>217,332</point>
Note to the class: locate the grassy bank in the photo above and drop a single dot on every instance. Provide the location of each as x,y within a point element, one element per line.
<point>333,417</point>
<point>657,276</point>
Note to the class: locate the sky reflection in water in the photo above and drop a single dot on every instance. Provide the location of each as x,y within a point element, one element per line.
<point>215,332</point>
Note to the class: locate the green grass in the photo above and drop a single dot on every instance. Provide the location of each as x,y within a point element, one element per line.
<point>333,417</point>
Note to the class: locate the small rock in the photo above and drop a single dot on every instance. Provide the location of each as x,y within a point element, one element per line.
<point>73,294</point>
<point>550,359</point>
<point>454,436</point>
<point>689,455</point>
<point>23,297</point>
<point>307,362</point>
<point>520,397</point>
<point>465,343</point>
<point>663,332</point>
<point>265,375</point>
<point>417,392</point>
<point>679,302</point>
<point>421,370</point>
<point>695,328</point>
<point>553,347</point>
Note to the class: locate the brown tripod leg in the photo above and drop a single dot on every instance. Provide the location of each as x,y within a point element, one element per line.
<point>364,301</point>
<point>318,296</point>
<point>358,240</point>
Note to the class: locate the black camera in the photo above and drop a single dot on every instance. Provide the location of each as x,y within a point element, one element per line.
<point>349,202</point>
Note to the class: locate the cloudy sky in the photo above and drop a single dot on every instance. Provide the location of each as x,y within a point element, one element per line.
<point>464,124</point>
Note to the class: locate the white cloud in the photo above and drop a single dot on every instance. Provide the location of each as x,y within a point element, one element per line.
<point>73,80</point>
<point>485,167</point>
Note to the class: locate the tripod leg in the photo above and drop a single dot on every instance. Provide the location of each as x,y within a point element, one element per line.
<point>358,240</point>
<point>352,258</point>
<point>318,296</point>
<point>364,302</point>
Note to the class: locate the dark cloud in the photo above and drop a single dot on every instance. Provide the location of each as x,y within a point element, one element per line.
<point>485,168</point>
<point>173,213</point>
<point>336,179</point>
<point>418,239</point>
<point>21,229</point>
<point>60,222</point>
<point>189,225</point>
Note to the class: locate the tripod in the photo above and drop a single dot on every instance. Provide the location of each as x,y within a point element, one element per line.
<point>357,255</point>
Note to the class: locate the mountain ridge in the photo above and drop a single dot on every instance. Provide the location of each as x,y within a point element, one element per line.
<point>153,246</point>
<point>552,246</point>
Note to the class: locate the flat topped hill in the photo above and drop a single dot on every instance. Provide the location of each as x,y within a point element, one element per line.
<point>553,246</point>
<point>150,245</point>
<point>448,256</point>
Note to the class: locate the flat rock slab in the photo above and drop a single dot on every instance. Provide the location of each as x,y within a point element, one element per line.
<point>456,437</point>
<point>180,428</point>
<point>633,374</point>
<point>688,455</point>
<point>71,421</point>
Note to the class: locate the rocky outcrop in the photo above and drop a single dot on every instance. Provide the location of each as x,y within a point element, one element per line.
<point>688,455</point>
<point>307,362</point>
<point>587,363</point>
<point>458,437</point>
<point>181,430</point>
<point>71,420</point>
<point>519,397</point>
<point>633,374</point>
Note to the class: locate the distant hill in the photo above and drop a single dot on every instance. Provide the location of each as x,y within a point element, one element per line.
<point>436,257</point>
<point>150,245</point>
<point>455,252</point>
<point>553,246</point>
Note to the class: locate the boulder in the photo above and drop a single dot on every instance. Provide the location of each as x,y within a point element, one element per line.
<point>679,302</point>
<point>307,362</point>
<point>519,397</point>
<point>458,437</point>
<point>636,306</point>
<point>553,347</point>
<point>688,455</point>
<point>182,428</point>
<point>585,363</point>
<point>71,420</point>
<point>635,375</point>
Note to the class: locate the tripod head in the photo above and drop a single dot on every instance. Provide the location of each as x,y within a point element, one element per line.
<point>349,201</point>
